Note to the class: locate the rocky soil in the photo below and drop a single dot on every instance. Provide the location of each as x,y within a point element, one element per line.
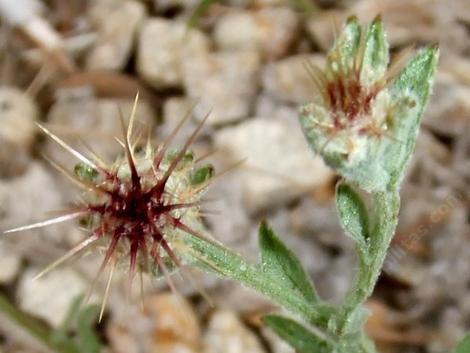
<point>244,62</point>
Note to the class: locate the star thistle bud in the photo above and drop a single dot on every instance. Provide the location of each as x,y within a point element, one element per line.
<point>365,119</point>
<point>138,208</point>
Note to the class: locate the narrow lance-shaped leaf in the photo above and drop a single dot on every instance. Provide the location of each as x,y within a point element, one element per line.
<point>410,94</point>
<point>418,76</point>
<point>78,327</point>
<point>278,261</point>
<point>214,257</point>
<point>89,340</point>
<point>302,339</point>
<point>353,215</point>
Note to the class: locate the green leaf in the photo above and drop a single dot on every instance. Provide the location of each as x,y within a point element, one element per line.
<point>78,329</point>
<point>353,215</point>
<point>302,339</point>
<point>376,57</point>
<point>89,341</point>
<point>212,256</point>
<point>410,94</point>
<point>463,346</point>
<point>61,334</point>
<point>418,75</point>
<point>278,261</point>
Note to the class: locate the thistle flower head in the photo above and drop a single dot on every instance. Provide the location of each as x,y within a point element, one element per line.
<point>137,207</point>
<point>364,119</point>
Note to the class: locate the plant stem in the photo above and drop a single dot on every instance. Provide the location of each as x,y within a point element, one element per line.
<point>386,208</point>
<point>224,262</point>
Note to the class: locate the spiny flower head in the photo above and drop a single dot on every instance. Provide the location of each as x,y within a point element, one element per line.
<point>365,115</point>
<point>137,207</point>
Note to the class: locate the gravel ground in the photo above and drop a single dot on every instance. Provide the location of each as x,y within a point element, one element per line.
<point>243,61</point>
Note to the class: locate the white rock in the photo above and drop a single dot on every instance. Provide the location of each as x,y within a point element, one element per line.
<point>279,166</point>
<point>163,44</point>
<point>268,105</point>
<point>418,21</point>
<point>18,113</point>
<point>406,22</point>
<point>276,344</point>
<point>449,108</point>
<point>117,23</point>
<point>27,199</point>
<point>176,328</point>
<point>320,28</point>
<point>51,296</point>
<point>129,331</point>
<point>269,31</point>
<point>168,324</point>
<point>461,10</point>
<point>225,84</point>
<point>458,67</point>
<point>288,79</point>
<point>95,121</point>
<point>227,334</point>
<point>233,296</point>
<point>231,223</point>
<point>9,264</point>
<point>175,109</point>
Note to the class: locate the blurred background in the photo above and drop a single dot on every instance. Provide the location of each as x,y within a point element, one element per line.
<point>70,64</point>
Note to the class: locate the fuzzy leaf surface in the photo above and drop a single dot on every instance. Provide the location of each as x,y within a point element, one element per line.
<point>279,262</point>
<point>376,56</point>
<point>353,215</point>
<point>212,256</point>
<point>302,339</point>
<point>343,54</point>
<point>410,94</point>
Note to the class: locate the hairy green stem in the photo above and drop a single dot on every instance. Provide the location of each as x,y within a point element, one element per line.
<point>386,208</point>
<point>224,262</point>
